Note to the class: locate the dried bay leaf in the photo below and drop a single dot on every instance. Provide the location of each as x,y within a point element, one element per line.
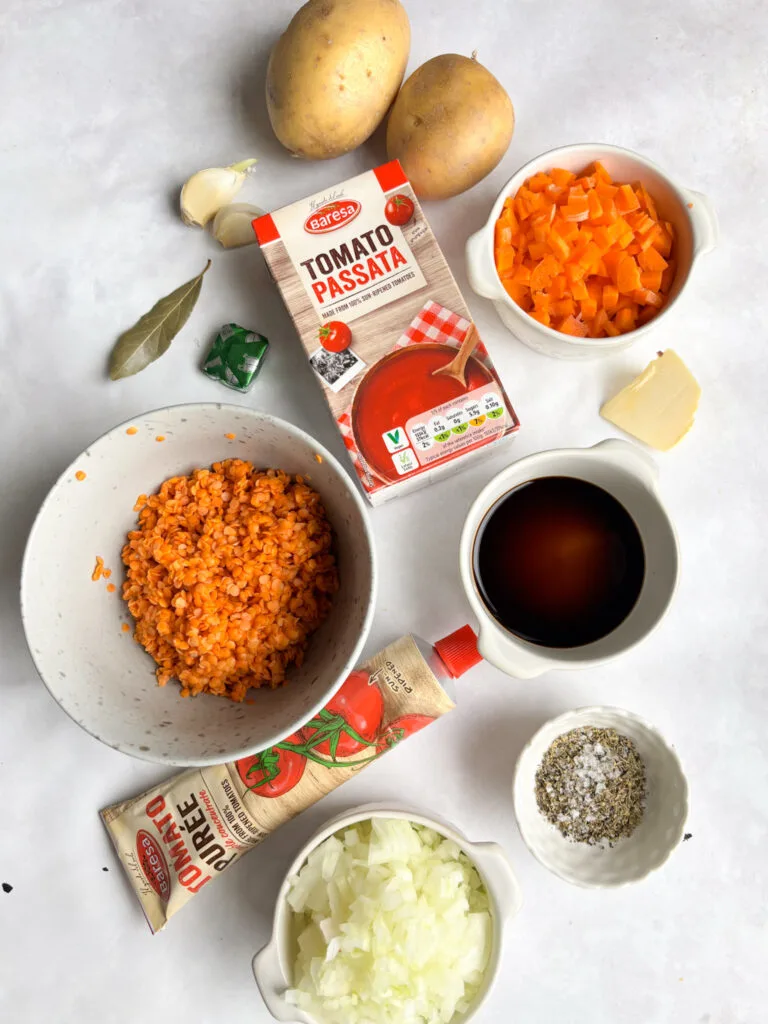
<point>146,341</point>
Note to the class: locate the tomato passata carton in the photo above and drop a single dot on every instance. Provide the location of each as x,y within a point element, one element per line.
<point>182,834</point>
<point>380,314</point>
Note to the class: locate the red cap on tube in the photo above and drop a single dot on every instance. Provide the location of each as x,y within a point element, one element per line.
<point>458,651</point>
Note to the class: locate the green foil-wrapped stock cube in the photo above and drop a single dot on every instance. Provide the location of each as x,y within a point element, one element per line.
<point>236,357</point>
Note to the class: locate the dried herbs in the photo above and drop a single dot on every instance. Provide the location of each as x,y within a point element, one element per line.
<point>591,784</point>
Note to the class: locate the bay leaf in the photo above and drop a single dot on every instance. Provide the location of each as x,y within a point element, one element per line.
<point>150,336</point>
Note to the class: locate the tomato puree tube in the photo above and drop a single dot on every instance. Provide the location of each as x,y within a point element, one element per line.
<point>179,836</point>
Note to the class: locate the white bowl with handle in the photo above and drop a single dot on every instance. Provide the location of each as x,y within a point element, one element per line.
<point>272,965</point>
<point>631,477</point>
<point>95,671</point>
<point>630,859</point>
<point>691,213</point>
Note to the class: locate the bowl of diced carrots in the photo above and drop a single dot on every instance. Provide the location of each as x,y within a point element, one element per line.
<point>587,248</point>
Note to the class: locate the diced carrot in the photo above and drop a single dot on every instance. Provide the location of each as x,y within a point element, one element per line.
<point>502,235</point>
<point>575,327</point>
<point>650,278</point>
<point>567,229</point>
<point>587,181</point>
<point>541,315</point>
<point>563,308</point>
<point>628,275</point>
<point>590,257</point>
<point>559,287</point>
<point>625,321</point>
<point>600,321</point>
<point>612,260</point>
<point>589,308</point>
<point>646,297</point>
<point>662,242</point>
<point>505,261</point>
<point>647,203</point>
<point>556,193</point>
<point>541,301</point>
<point>595,206</point>
<point>521,275</point>
<point>651,259</point>
<point>544,272</point>
<point>516,292</point>
<point>600,172</point>
<point>537,250</point>
<point>573,273</point>
<point>561,177</point>
<point>626,200</point>
<point>612,330</point>
<point>648,313</point>
<point>668,276</point>
<point>575,210</point>
<point>579,290</point>
<point>559,246</point>
<point>539,182</point>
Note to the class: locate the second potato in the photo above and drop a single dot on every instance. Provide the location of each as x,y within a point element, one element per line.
<point>450,125</point>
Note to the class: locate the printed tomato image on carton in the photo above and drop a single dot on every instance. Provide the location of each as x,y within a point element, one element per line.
<point>381,318</point>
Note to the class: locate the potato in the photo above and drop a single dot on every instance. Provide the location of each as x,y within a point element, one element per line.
<point>334,72</point>
<point>450,126</point>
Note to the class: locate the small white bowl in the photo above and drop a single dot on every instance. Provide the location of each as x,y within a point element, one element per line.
<point>657,835</point>
<point>272,965</point>
<point>691,213</point>
<point>97,673</point>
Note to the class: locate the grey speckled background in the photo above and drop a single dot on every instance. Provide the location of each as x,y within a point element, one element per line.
<point>106,108</point>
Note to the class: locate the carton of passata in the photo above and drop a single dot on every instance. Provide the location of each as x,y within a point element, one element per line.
<point>379,314</point>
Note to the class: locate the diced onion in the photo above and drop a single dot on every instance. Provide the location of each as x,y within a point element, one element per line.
<point>392,925</point>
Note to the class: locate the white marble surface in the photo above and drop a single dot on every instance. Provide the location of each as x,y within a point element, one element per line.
<point>105,108</point>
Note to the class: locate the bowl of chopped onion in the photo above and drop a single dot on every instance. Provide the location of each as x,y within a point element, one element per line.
<point>387,914</point>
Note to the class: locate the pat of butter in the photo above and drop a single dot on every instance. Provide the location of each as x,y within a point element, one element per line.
<point>657,407</point>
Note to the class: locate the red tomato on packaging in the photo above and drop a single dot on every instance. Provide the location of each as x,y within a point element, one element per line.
<point>359,707</point>
<point>398,730</point>
<point>399,210</point>
<point>273,772</point>
<point>335,336</point>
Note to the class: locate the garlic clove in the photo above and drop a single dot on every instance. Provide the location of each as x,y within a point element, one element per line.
<point>232,225</point>
<point>207,191</point>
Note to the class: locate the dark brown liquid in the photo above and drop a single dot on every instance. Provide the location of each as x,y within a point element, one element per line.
<point>559,562</point>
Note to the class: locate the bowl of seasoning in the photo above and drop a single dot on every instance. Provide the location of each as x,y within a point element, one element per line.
<point>600,797</point>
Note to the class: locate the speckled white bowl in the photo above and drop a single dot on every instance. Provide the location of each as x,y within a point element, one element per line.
<point>96,672</point>
<point>656,836</point>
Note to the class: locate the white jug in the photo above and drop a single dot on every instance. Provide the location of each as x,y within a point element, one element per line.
<point>630,475</point>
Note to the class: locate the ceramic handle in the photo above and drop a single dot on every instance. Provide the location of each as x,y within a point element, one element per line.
<point>481,271</point>
<point>631,457</point>
<point>511,659</point>
<point>493,863</point>
<point>706,231</point>
<point>272,984</point>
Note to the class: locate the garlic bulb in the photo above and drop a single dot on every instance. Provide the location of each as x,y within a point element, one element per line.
<point>207,191</point>
<point>232,225</point>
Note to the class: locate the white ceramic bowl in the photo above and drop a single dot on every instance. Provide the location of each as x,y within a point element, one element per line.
<point>631,476</point>
<point>656,836</point>
<point>97,673</point>
<point>272,966</point>
<point>690,212</point>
